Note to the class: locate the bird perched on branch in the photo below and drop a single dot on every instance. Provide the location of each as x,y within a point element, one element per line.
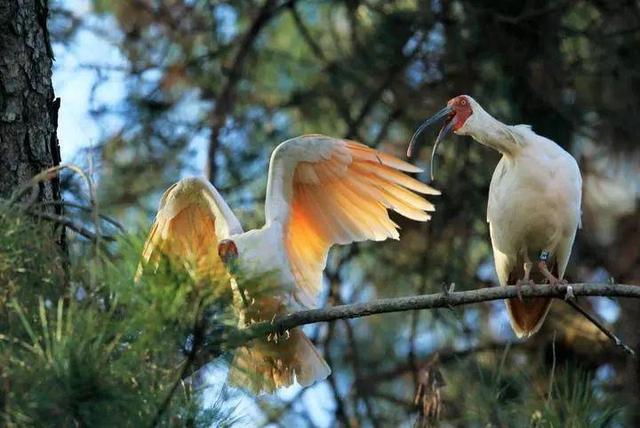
<point>534,203</point>
<point>321,191</point>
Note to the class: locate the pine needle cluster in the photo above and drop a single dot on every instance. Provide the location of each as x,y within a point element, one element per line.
<point>81,344</point>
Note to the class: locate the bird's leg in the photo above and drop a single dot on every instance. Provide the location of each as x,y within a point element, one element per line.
<point>528,265</point>
<point>519,290</point>
<point>278,335</point>
<point>446,290</point>
<point>526,280</point>
<point>544,269</point>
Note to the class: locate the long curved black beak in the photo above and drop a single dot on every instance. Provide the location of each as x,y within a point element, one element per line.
<point>446,112</point>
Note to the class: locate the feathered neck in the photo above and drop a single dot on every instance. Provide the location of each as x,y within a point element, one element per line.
<point>487,130</point>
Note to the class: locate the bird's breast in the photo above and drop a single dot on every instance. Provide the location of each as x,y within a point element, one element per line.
<point>263,259</point>
<point>533,203</point>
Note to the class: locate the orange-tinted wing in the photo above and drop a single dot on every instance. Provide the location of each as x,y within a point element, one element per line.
<point>327,191</point>
<point>191,220</point>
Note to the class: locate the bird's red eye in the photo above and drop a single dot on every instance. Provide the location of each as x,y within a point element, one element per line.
<point>463,102</point>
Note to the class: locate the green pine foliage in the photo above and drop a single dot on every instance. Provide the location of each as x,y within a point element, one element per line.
<point>82,345</point>
<point>496,390</point>
<point>575,403</point>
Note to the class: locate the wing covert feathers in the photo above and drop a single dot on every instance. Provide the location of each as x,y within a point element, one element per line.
<point>339,196</point>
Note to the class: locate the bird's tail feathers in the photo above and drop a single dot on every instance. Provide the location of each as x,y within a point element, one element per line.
<point>267,365</point>
<point>526,317</point>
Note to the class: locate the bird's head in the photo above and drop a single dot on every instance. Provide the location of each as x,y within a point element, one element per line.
<point>462,108</point>
<point>228,252</point>
<point>457,116</point>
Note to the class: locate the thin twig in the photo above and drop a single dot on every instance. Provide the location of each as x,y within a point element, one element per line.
<point>196,343</point>
<point>361,388</point>
<point>376,94</point>
<point>340,408</point>
<point>275,416</point>
<point>601,327</point>
<point>49,174</point>
<point>306,34</point>
<point>444,356</point>
<point>104,217</point>
<point>68,223</point>
<point>553,368</point>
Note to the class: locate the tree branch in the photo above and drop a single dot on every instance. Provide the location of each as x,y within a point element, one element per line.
<point>104,217</point>
<point>601,327</point>
<point>426,301</point>
<point>225,100</point>
<point>69,224</point>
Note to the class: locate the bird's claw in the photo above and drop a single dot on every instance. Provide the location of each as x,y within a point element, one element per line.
<point>275,336</point>
<point>569,294</point>
<point>446,290</point>
<point>555,282</point>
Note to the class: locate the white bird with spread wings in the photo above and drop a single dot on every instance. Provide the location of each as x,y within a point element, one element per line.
<point>321,191</point>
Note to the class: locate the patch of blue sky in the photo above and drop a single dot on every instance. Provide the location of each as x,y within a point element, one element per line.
<point>281,120</point>
<point>315,401</point>
<point>436,6</point>
<point>185,117</point>
<point>310,12</point>
<point>197,155</point>
<point>214,389</point>
<point>487,271</point>
<point>74,78</point>
<point>227,21</point>
<point>499,321</point>
<point>606,308</point>
<point>605,373</point>
<point>427,340</point>
<point>424,68</point>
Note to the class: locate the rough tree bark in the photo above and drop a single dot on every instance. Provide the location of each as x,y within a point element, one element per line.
<point>28,108</point>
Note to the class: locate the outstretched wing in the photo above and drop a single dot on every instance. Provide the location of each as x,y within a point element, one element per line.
<point>191,220</point>
<point>325,191</point>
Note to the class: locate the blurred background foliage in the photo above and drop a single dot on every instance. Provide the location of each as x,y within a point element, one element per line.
<point>211,87</point>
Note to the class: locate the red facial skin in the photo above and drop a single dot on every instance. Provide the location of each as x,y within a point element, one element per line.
<point>227,250</point>
<point>462,109</point>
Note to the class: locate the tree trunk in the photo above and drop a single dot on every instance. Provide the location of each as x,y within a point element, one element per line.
<point>28,109</point>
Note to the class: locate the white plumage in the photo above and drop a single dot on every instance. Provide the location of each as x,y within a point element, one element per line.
<point>533,207</point>
<point>321,191</point>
